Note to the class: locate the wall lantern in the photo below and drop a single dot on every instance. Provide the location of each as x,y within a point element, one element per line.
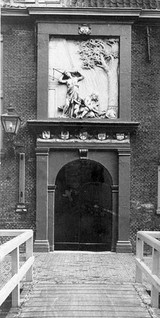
<point>11,121</point>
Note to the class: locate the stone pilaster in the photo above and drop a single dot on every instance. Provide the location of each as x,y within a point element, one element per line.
<point>114,216</point>
<point>41,243</point>
<point>51,208</point>
<point>123,243</point>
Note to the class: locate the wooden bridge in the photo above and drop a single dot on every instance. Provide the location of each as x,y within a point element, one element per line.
<point>86,285</point>
<point>84,300</point>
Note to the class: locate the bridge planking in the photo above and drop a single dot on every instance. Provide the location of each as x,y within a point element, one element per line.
<point>84,300</point>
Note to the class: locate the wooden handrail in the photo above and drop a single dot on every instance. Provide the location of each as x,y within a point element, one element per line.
<point>12,247</point>
<point>150,238</point>
<point>9,246</point>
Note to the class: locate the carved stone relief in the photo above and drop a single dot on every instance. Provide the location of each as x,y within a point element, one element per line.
<point>84,136</point>
<point>83,78</point>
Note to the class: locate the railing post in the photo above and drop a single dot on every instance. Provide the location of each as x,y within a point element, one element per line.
<point>139,255</point>
<point>15,269</point>
<point>155,271</point>
<point>29,253</point>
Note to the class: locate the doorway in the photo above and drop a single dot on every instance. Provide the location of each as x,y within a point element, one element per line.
<point>83,207</point>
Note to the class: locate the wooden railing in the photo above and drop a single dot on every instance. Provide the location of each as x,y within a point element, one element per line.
<point>12,247</point>
<point>151,239</point>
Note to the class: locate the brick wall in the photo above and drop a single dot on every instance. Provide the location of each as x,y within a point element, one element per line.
<point>19,89</point>
<point>145,144</point>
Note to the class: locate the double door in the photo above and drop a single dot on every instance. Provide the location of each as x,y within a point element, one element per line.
<point>83,208</point>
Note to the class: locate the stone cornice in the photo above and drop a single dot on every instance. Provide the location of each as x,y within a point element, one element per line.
<point>34,10</point>
<point>99,12</point>
<point>14,12</point>
<point>110,125</point>
<point>146,14</point>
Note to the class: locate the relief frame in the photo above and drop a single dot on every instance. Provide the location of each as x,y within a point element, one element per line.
<point>48,31</point>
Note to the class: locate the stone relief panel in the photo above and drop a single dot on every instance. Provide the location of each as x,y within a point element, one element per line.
<point>83,78</point>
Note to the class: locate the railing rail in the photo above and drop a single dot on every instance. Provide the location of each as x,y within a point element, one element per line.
<point>12,247</point>
<point>150,238</point>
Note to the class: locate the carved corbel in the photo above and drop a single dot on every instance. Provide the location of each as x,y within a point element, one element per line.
<point>83,153</point>
<point>84,29</point>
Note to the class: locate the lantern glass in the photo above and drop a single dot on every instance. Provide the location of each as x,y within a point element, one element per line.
<point>11,121</point>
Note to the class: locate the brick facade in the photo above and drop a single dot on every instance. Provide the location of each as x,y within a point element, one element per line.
<point>19,89</point>
<point>145,144</point>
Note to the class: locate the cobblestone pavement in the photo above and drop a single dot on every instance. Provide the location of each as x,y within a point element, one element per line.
<point>83,268</point>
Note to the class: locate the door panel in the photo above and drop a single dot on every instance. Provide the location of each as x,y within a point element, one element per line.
<point>83,217</point>
<point>95,215</point>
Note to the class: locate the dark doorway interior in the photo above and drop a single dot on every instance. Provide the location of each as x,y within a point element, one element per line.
<point>83,207</point>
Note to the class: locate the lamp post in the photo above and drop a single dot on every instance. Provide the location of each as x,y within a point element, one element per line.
<point>11,121</point>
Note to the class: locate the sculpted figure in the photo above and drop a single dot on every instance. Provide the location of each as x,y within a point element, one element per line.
<point>73,100</point>
<point>90,107</point>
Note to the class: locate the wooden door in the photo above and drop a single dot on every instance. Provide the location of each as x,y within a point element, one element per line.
<point>83,207</point>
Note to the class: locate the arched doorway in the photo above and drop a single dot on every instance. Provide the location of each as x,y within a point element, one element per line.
<point>83,207</point>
